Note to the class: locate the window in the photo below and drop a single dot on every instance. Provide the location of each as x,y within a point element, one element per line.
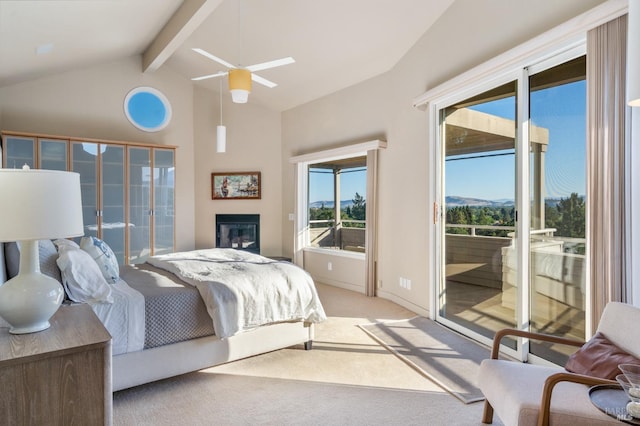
<point>357,162</point>
<point>337,204</point>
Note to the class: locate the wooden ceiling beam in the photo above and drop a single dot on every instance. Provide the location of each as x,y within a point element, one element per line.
<point>180,26</point>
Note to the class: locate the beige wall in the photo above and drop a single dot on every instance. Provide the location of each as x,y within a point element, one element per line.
<point>346,271</point>
<point>89,103</point>
<point>469,33</point>
<point>253,144</point>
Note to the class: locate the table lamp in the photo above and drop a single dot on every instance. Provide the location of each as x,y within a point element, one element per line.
<point>35,205</point>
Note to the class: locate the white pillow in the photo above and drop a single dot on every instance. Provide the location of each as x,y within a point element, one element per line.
<point>65,242</point>
<point>104,257</point>
<point>81,276</point>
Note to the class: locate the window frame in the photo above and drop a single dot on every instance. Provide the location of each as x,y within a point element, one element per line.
<point>301,235</point>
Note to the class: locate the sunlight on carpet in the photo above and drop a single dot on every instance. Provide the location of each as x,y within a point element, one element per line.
<point>444,356</point>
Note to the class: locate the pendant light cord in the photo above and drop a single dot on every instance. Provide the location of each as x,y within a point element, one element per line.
<point>220,93</point>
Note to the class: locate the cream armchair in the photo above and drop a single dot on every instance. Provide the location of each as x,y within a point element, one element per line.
<point>526,394</point>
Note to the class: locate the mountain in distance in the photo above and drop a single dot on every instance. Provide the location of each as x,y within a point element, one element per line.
<point>329,204</point>
<point>455,201</point>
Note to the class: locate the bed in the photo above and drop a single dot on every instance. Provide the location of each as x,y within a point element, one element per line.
<point>186,311</point>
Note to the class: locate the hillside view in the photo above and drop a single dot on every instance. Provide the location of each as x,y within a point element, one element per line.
<point>354,209</point>
<point>566,215</point>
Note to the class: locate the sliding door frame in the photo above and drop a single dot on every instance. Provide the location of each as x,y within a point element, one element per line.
<point>522,180</point>
<point>517,63</point>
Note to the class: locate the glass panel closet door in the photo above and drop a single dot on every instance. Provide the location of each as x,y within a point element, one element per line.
<point>139,204</point>
<point>478,290</point>
<point>84,160</point>
<point>163,202</point>
<point>113,226</point>
<point>53,154</point>
<point>19,151</point>
<point>558,195</point>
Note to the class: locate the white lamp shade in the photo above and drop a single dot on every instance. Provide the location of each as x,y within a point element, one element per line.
<point>221,139</point>
<point>633,54</point>
<point>239,96</point>
<point>39,204</point>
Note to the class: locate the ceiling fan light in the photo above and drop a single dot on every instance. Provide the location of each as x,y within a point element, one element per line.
<point>239,96</point>
<point>239,85</point>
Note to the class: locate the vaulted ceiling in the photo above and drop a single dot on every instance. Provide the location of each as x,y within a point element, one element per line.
<point>335,43</point>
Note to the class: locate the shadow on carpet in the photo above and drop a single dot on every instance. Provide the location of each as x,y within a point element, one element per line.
<point>442,355</point>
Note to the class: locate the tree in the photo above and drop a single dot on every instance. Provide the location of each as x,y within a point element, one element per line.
<point>572,217</point>
<point>358,210</point>
<point>320,213</point>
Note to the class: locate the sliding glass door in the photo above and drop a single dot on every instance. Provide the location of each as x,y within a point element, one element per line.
<point>479,286</point>
<point>514,163</point>
<point>557,243</point>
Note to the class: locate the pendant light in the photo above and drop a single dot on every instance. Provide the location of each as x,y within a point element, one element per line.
<point>221,131</point>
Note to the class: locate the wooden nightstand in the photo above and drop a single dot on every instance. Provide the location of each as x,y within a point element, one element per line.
<point>58,376</point>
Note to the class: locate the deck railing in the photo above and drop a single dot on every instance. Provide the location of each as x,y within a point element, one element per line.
<point>323,233</point>
<point>557,264</point>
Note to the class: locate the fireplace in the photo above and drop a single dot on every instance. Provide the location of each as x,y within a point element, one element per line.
<point>238,231</point>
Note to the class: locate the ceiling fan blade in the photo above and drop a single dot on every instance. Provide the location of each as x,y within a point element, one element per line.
<point>271,64</point>
<point>204,77</point>
<point>263,81</point>
<point>213,57</point>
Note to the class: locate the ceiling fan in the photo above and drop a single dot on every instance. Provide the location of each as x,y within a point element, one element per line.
<point>240,77</point>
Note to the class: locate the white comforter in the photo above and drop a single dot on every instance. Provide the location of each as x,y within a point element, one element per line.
<point>243,290</point>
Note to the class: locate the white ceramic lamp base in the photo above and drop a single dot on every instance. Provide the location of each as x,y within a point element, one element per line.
<point>29,300</point>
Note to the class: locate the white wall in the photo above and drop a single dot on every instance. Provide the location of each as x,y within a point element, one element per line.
<point>347,271</point>
<point>253,144</point>
<point>89,103</point>
<point>469,33</point>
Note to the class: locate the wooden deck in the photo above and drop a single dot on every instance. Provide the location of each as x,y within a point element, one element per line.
<point>482,310</point>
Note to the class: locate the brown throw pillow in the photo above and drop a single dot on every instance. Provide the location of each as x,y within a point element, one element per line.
<point>599,358</point>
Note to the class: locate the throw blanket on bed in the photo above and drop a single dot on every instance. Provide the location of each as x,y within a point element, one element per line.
<point>243,290</point>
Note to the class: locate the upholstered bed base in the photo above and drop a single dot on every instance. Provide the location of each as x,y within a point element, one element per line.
<point>136,368</point>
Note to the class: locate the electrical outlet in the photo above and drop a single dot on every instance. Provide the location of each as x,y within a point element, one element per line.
<point>329,266</point>
<point>292,217</point>
<point>405,283</point>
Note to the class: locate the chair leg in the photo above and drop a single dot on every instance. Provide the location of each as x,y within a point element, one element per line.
<point>487,414</point>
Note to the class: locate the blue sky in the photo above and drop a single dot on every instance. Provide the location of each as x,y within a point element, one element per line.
<point>321,186</point>
<point>560,109</point>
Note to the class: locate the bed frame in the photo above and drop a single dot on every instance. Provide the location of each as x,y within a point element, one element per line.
<point>136,368</point>
<point>192,355</point>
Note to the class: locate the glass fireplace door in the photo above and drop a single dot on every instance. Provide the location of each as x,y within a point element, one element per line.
<point>238,231</point>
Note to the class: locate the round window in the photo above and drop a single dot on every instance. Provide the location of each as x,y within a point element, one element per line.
<point>147,108</point>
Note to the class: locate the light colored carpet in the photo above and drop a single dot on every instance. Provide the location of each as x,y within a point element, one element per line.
<point>347,379</point>
<point>218,399</point>
<point>442,355</point>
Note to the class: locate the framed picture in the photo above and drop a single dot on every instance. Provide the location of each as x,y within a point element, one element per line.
<point>235,186</point>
